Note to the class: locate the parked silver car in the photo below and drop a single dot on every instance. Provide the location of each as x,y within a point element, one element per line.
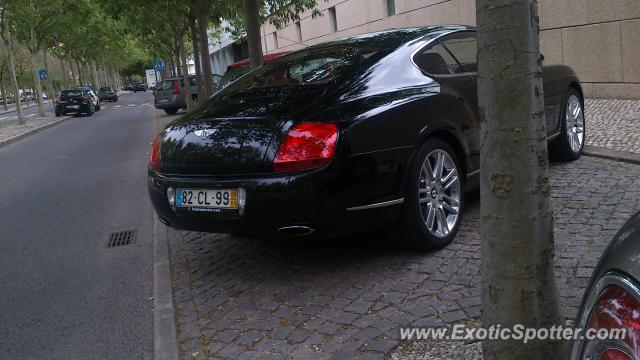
<point>169,93</point>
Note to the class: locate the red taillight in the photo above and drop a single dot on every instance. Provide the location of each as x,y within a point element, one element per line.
<point>613,354</point>
<point>85,100</point>
<point>176,88</point>
<point>154,157</point>
<point>615,309</point>
<point>306,146</point>
<point>56,101</point>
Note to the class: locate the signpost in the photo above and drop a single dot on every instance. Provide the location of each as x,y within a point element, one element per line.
<point>158,66</point>
<point>42,74</point>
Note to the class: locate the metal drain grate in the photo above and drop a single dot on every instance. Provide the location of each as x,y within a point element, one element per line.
<point>122,238</point>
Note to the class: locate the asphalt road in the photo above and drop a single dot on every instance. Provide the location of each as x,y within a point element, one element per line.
<point>64,293</point>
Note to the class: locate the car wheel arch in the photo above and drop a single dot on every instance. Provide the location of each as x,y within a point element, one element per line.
<point>448,136</point>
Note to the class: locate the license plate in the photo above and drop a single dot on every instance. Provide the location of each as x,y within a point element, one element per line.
<point>163,100</point>
<point>73,106</point>
<point>207,198</point>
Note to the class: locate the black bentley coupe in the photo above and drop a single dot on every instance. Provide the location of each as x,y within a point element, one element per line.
<point>356,134</point>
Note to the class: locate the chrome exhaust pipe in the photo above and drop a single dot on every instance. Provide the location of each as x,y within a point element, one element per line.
<point>295,230</point>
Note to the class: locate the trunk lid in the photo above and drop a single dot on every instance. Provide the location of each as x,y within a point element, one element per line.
<point>228,146</point>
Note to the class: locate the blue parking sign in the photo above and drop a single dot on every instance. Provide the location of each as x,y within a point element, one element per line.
<point>158,65</point>
<point>42,74</point>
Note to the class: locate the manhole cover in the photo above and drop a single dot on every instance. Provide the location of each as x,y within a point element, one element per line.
<point>122,238</point>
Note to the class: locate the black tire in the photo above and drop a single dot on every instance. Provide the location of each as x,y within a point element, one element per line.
<point>171,111</point>
<point>98,106</point>
<point>57,114</point>
<point>560,148</point>
<point>412,228</point>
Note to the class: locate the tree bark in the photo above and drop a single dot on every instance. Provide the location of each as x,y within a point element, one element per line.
<point>252,7</point>
<point>185,74</point>
<point>196,59</point>
<point>65,74</point>
<point>518,282</point>
<point>8,48</point>
<point>36,78</point>
<point>205,60</point>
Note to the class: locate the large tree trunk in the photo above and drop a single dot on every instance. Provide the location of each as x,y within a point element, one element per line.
<point>36,78</point>
<point>252,7</point>
<point>205,60</point>
<point>518,282</point>
<point>8,48</point>
<point>196,59</point>
<point>185,74</point>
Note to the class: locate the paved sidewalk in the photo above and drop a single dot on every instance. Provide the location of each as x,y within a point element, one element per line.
<point>240,298</point>
<point>613,124</point>
<point>33,123</point>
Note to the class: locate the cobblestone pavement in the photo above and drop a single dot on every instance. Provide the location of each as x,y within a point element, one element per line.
<point>240,298</point>
<point>614,124</point>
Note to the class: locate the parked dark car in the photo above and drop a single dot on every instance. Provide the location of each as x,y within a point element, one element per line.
<point>239,68</point>
<point>612,299</point>
<point>139,87</point>
<point>92,94</point>
<point>128,87</point>
<point>367,132</point>
<point>76,101</point>
<point>107,93</point>
<point>170,95</point>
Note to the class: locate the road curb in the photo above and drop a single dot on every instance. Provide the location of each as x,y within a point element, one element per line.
<point>165,346</point>
<point>624,156</point>
<point>33,131</point>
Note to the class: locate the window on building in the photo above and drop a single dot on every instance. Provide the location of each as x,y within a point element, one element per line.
<point>299,31</point>
<point>391,7</point>
<point>333,19</point>
<point>275,39</point>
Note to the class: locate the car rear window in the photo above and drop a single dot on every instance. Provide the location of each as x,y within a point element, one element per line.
<point>231,75</point>
<point>70,93</point>
<point>105,89</point>
<point>312,67</point>
<point>166,85</point>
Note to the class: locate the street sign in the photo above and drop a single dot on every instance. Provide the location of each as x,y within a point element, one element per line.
<point>42,73</point>
<point>158,65</point>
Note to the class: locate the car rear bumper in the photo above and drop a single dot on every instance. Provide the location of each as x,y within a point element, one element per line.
<point>170,105</point>
<point>67,110</point>
<point>272,203</point>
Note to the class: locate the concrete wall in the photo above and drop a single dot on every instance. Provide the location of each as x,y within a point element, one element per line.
<point>600,39</point>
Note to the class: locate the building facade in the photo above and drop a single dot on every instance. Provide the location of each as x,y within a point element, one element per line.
<point>600,39</point>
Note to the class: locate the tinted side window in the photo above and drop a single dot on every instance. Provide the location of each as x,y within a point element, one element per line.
<point>464,47</point>
<point>436,60</point>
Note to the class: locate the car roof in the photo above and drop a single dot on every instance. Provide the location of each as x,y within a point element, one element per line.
<point>393,36</point>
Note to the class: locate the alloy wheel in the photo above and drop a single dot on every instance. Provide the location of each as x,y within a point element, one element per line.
<point>574,117</point>
<point>439,193</point>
